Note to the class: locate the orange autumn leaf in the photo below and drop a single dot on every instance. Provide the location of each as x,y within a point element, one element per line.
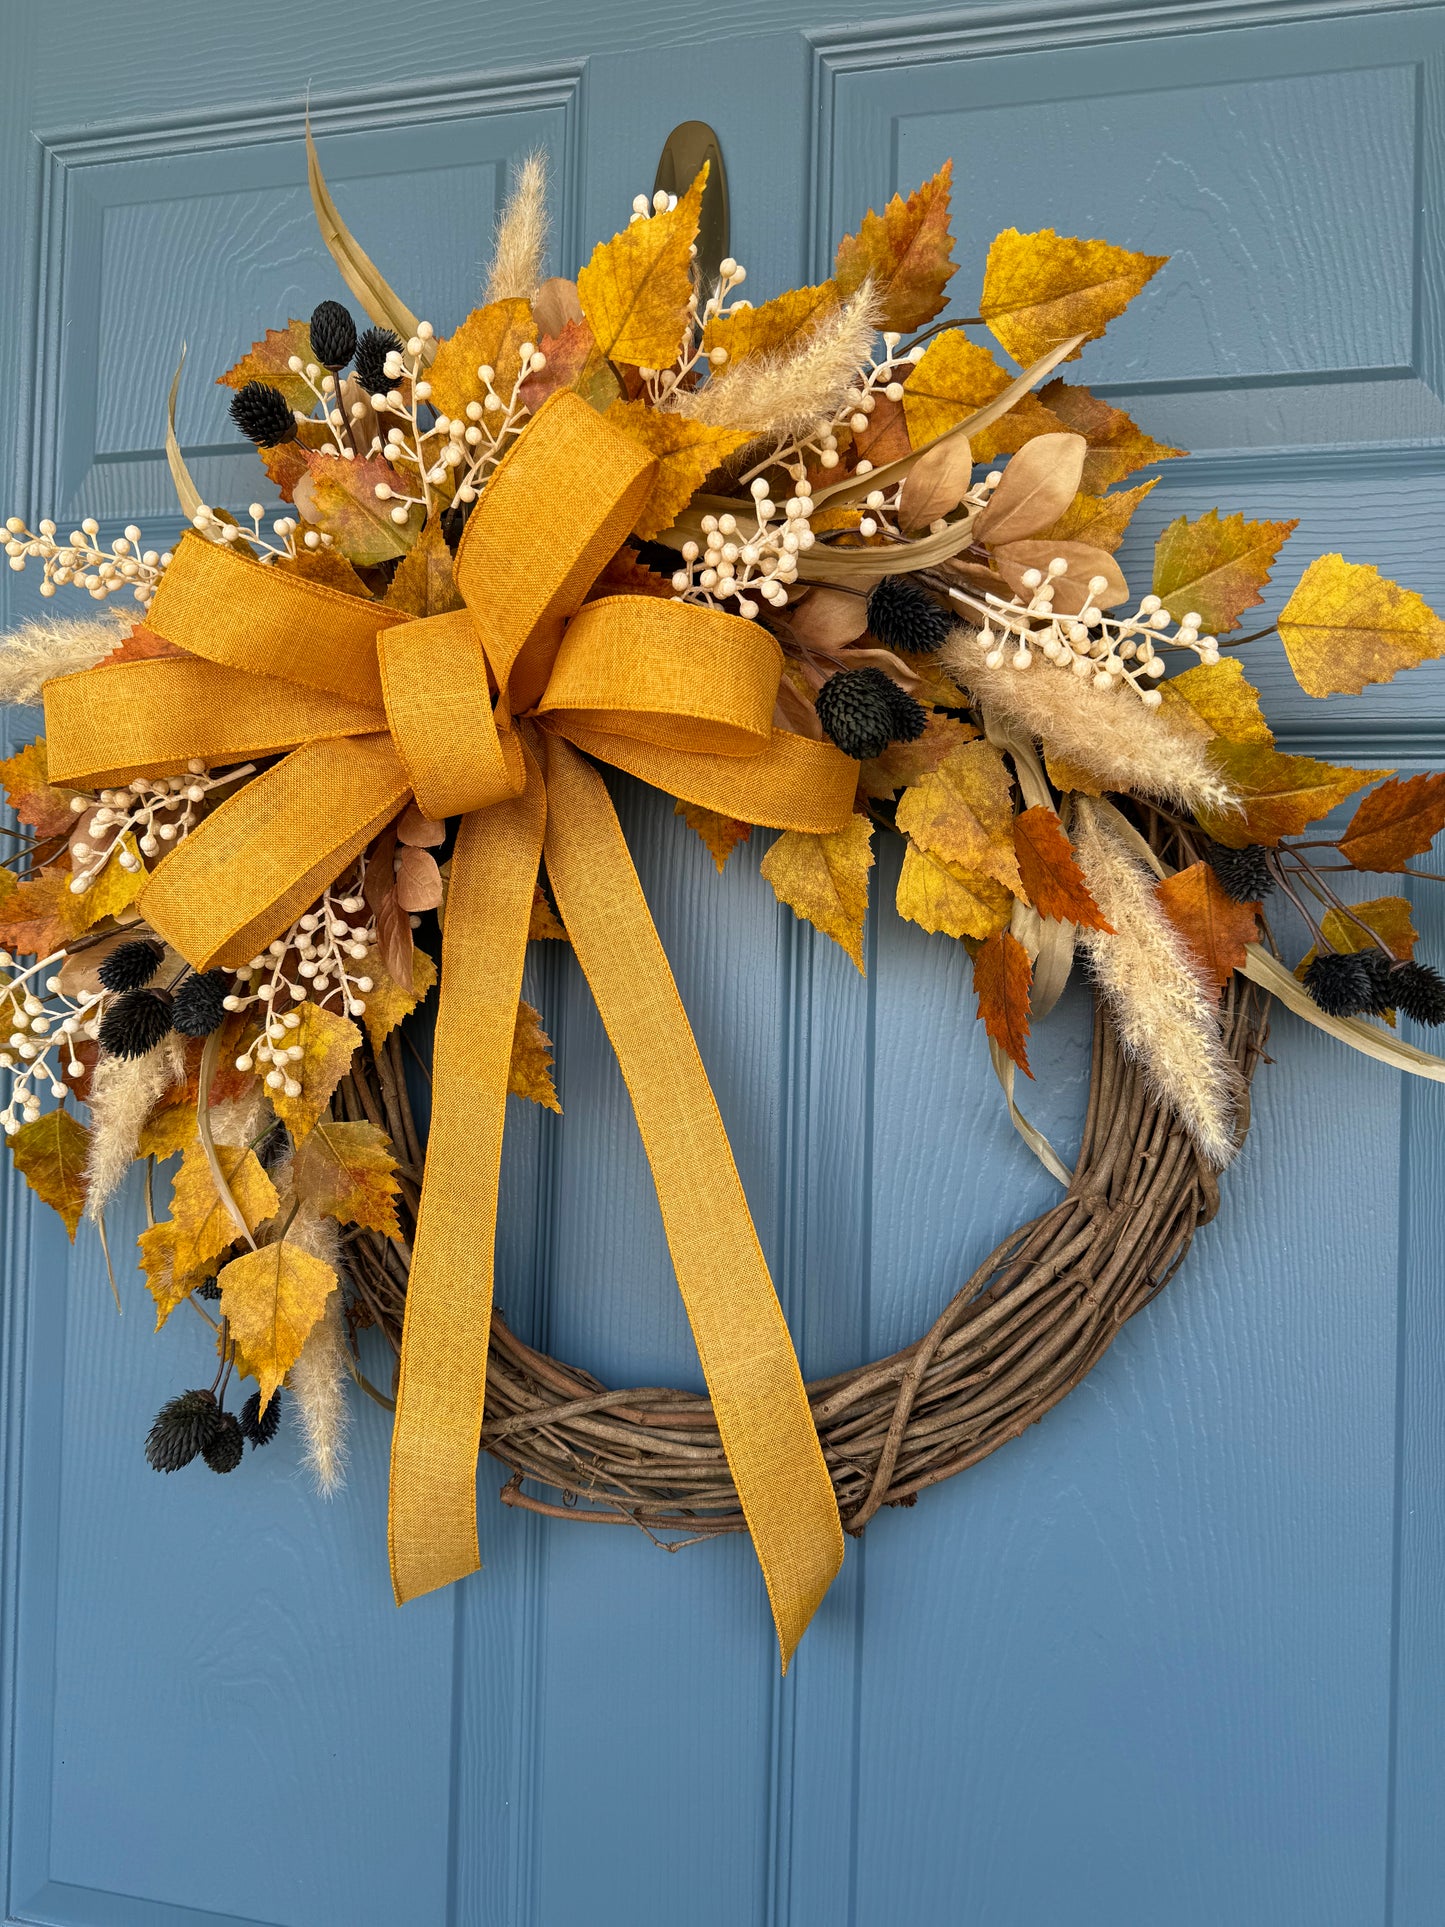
<point>572,360</point>
<point>1118,447</point>
<point>1041,288</point>
<point>340,497</point>
<point>1282,795</point>
<point>530,1072</point>
<point>905,252</point>
<point>1347,625</point>
<point>1212,924</point>
<point>30,793</point>
<point>267,359</point>
<point>1215,567</point>
<point>33,914</point>
<point>721,834</point>
<point>141,645</point>
<point>1052,879</point>
<point>325,566</point>
<point>544,923</point>
<point>1399,820</point>
<point>1002,976</point>
<point>636,288</point>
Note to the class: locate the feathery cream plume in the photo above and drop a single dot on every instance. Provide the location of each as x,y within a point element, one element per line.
<point>33,653</point>
<point>1163,1009</point>
<point>1108,732</point>
<point>521,235</point>
<point>123,1093</point>
<point>317,1380</point>
<point>783,395</point>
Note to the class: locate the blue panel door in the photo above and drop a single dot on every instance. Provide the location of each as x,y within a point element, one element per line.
<point>1172,1660</point>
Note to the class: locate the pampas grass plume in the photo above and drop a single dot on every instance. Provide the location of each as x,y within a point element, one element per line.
<point>789,392</point>
<point>123,1093</point>
<point>521,235</point>
<point>317,1381</point>
<point>32,654</point>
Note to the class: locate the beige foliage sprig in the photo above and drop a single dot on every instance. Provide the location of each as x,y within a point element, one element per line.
<point>317,1380</point>
<point>1165,1013</point>
<point>521,243</point>
<point>784,394</point>
<point>33,653</point>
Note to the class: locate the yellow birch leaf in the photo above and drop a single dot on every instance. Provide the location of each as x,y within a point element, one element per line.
<point>950,900</point>
<point>685,451</point>
<point>1216,566</point>
<point>348,1172</point>
<point>490,337</point>
<point>905,252</point>
<point>177,1254</point>
<point>774,327</point>
<point>325,566</point>
<point>272,1298</point>
<point>530,1072</point>
<point>1282,795</point>
<point>544,922</point>
<point>1117,445</point>
<point>168,1129</point>
<point>962,813</point>
<point>1214,699</point>
<point>824,880</point>
<point>1347,625</point>
<point>386,1002</point>
<point>1041,288</point>
<point>327,1042</point>
<point>721,834</point>
<point>50,1155</point>
<point>112,890</point>
<point>1100,520</point>
<point>424,584</point>
<point>636,288</point>
<point>167,1285</point>
<point>956,376</point>
<point>31,794</point>
<point>268,360</point>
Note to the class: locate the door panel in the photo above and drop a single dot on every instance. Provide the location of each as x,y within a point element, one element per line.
<point>1172,1657</point>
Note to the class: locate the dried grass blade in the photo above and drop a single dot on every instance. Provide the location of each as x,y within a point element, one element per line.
<point>1271,975</point>
<point>382,303</point>
<point>188,495</point>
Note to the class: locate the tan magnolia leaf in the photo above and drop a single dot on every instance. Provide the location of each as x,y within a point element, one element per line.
<point>1100,519</point>
<point>881,777</point>
<point>721,834</point>
<point>1002,978</point>
<point>1215,927</point>
<point>490,337</point>
<point>1215,567</point>
<point>1037,487</point>
<point>936,483</point>
<point>386,1002</point>
<point>544,923</point>
<point>1398,820</point>
<point>828,618</point>
<point>1014,559</point>
<point>555,304</point>
<point>419,832</point>
<point>774,327</point>
<point>1053,882</point>
<point>340,498</point>
<point>1041,288</point>
<point>1214,699</point>
<point>418,881</point>
<point>824,880</point>
<point>962,813</point>
<point>530,1072</point>
<point>685,451</point>
<point>348,1172</point>
<point>272,1298</point>
<point>905,252</point>
<point>949,900</point>
<point>635,289</point>
<point>31,795</point>
<point>1282,794</point>
<point>572,360</point>
<point>176,1254</point>
<point>267,359</point>
<point>1347,625</point>
<point>327,1042</point>
<point>424,584</point>
<point>1118,447</point>
<point>50,1154</point>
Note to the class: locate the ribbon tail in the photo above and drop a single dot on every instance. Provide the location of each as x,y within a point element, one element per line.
<point>742,1338</point>
<point>433,1519</point>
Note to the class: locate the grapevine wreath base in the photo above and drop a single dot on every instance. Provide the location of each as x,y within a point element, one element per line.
<point>1035,1317</point>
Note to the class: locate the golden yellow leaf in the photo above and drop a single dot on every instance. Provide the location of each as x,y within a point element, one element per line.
<point>950,900</point>
<point>325,566</point>
<point>112,890</point>
<point>1214,699</point>
<point>824,880</point>
<point>340,497</point>
<point>327,1041</point>
<point>685,451</point>
<point>168,1129</point>
<point>635,289</point>
<point>177,1254</point>
<point>530,1072</point>
<point>1347,625</point>
<point>1100,519</point>
<point>721,834</point>
<point>490,337</point>
<point>900,764</point>
<point>1066,776</point>
<point>1216,566</point>
<point>386,1002</point>
<point>272,1298</point>
<point>962,813</point>
<point>50,1155</point>
<point>905,252</point>
<point>1041,288</point>
<point>772,328</point>
<point>1117,445</point>
<point>31,794</point>
<point>1282,794</point>
<point>934,686</point>
<point>348,1172</point>
<point>544,922</point>
<point>953,378</point>
<point>267,361</point>
<point>423,584</point>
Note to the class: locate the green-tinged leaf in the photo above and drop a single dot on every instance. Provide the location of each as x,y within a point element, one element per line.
<point>1215,567</point>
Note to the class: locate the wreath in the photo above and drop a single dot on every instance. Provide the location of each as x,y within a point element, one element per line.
<point>825,566</point>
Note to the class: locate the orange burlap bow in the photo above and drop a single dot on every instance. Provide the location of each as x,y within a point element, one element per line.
<point>374,708</point>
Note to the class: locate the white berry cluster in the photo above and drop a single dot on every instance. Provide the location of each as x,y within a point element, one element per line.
<point>316,959</point>
<point>35,1025</point>
<point>1102,651</point>
<point>143,818</point>
<point>740,562</point>
<point>81,562</point>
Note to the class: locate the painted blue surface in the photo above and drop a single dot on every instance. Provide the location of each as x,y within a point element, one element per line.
<point>1172,1660</point>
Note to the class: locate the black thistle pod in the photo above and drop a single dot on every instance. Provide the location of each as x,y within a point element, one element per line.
<point>1243,874</point>
<point>904,617</point>
<point>183,1427</point>
<point>333,335</point>
<point>224,1451</point>
<point>863,711</point>
<point>131,965</point>
<point>199,1005</point>
<point>1342,983</point>
<point>263,414</point>
<point>1419,991</point>
<point>136,1023</point>
<point>371,353</point>
<point>258,1426</point>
